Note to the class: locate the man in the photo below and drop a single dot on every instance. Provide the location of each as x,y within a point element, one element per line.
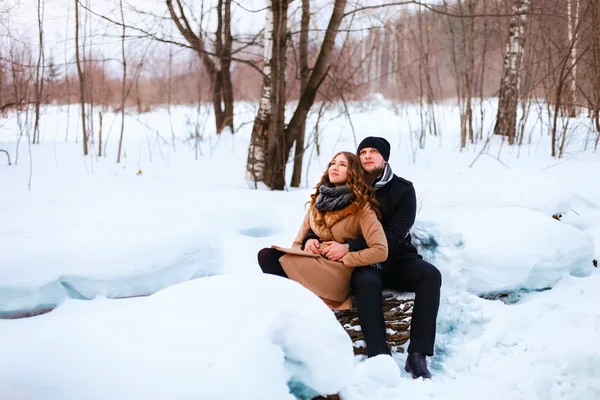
<point>404,270</point>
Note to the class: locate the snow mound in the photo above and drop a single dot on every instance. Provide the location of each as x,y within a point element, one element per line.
<point>502,249</point>
<point>112,275</point>
<point>249,336</point>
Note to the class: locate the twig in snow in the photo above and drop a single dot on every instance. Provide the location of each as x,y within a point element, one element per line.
<point>7,155</point>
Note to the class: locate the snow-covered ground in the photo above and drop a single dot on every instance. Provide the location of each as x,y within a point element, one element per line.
<point>80,236</point>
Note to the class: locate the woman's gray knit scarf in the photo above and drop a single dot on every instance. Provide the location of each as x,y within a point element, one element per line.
<point>333,198</point>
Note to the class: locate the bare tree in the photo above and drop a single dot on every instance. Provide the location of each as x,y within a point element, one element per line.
<point>100,134</point>
<point>218,70</point>
<point>276,157</point>
<point>596,70</point>
<point>224,42</point>
<point>257,153</point>
<point>468,40</point>
<point>124,83</point>
<point>566,70</point>
<point>573,23</point>
<point>483,64</point>
<point>509,86</point>
<point>81,80</point>
<point>304,72</point>
<point>169,95</point>
<point>39,72</point>
<point>461,73</point>
<point>280,139</point>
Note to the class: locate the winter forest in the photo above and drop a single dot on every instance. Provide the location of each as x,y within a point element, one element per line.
<point>150,149</point>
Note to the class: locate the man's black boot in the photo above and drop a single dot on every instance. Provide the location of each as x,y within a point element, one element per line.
<point>416,365</point>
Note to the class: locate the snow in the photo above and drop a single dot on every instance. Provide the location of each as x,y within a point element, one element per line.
<point>377,374</point>
<point>544,347</point>
<point>148,273</point>
<point>43,268</point>
<point>180,343</point>
<point>482,249</point>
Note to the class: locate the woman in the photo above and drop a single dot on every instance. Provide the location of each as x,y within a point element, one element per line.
<point>342,208</point>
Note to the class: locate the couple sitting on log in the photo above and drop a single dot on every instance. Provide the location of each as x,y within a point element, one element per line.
<point>355,241</point>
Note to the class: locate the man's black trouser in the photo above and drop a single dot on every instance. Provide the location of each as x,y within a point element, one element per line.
<point>411,275</point>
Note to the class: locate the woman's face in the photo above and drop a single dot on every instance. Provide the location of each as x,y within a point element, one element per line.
<point>338,170</point>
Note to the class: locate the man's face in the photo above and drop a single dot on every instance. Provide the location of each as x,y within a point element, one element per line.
<point>372,161</point>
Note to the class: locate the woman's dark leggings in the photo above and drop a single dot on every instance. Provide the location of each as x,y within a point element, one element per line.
<point>268,259</point>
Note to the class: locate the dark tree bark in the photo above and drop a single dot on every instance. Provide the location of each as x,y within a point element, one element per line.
<point>304,73</point>
<point>81,80</point>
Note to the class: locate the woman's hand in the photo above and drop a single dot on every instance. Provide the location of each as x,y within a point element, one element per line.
<point>312,246</point>
<point>334,251</point>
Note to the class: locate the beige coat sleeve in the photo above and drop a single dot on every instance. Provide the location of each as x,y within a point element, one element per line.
<point>372,231</point>
<point>302,232</point>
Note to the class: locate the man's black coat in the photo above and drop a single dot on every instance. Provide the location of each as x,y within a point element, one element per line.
<point>398,207</point>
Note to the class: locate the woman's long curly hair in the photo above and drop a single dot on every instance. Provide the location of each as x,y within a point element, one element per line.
<point>363,193</point>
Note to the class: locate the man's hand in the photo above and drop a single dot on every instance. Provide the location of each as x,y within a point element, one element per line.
<point>334,251</point>
<point>312,246</point>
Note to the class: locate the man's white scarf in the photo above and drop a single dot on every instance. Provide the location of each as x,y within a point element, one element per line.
<point>387,176</point>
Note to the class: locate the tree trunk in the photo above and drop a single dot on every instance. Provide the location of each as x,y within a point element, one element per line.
<point>277,159</point>
<point>81,80</point>
<point>100,135</point>
<point>428,79</point>
<point>483,59</point>
<point>39,75</point>
<point>457,77</point>
<point>509,86</point>
<point>280,141</point>
<point>385,62</point>
<point>304,72</point>
<point>319,72</point>
<point>573,36</point>
<point>218,82</point>
<point>422,56</point>
<point>122,84</point>
<point>197,42</point>
<point>227,86</point>
<point>468,61</point>
<point>596,70</point>
<point>257,153</point>
<point>469,72</point>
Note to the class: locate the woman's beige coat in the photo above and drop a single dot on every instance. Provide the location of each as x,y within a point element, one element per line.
<point>328,279</point>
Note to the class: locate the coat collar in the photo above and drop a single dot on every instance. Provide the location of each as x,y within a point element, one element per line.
<point>324,221</point>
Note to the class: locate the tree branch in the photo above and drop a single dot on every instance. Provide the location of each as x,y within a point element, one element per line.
<point>439,10</point>
<point>7,155</point>
<point>153,36</point>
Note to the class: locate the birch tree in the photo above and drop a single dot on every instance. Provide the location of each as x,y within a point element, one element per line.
<point>573,32</point>
<point>280,138</point>
<point>257,153</point>
<point>509,86</point>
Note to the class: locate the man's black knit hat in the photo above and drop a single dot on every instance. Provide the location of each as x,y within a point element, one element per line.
<point>379,143</point>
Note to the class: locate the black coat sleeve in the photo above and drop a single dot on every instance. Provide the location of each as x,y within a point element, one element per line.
<point>309,235</point>
<point>397,228</point>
